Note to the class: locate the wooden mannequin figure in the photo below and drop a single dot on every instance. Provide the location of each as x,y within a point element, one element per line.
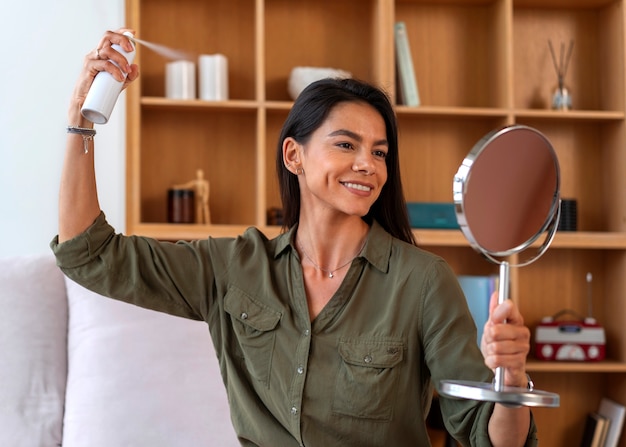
<point>201,187</point>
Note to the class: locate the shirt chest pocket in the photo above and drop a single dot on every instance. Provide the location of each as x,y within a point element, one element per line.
<point>254,325</point>
<point>367,379</point>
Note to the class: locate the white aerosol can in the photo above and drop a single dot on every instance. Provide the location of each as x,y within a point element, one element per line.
<point>105,90</point>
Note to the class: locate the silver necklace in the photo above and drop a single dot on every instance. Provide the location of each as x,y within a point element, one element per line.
<point>331,273</point>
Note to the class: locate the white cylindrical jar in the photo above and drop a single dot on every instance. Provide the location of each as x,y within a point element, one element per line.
<point>180,80</point>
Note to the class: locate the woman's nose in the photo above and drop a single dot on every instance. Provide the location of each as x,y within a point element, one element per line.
<point>364,164</point>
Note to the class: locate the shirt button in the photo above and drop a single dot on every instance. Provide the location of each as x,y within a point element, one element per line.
<point>300,369</point>
<point>244,316</point>
<point>307,332</point>
<point>294,411</point>
<point>368,359</point>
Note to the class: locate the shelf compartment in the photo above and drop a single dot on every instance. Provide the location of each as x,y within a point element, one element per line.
<point>463,260</point>
<point>221,143</point>
<point>588,152</point>
<point>557,281</point>
<point>594,76</point>
<point>458,51</point>
<point>579,394</point>
<point>317,34</point>
<point>432,149</point>
<point>199,27</point>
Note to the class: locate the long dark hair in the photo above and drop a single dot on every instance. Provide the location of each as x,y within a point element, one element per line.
<point>307,114</point>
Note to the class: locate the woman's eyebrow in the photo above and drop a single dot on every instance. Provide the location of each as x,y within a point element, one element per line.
<point>355,136</point>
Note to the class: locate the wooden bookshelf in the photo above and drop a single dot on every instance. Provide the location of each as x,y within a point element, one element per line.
<point>480,65</point>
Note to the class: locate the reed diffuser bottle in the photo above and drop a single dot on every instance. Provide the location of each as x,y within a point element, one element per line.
<point>561,97</point>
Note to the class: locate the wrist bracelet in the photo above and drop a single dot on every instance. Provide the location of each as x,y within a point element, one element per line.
<point>85,132</point>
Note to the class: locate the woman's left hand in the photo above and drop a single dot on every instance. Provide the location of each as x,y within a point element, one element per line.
<point>506,341</point>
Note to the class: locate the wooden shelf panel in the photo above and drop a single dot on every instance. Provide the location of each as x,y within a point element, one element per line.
<point>425,237</point>
<point>576,367</point>
<point>570,115</point>
<point>453,112</point>
<point>425,111</point>
<point>572,4</point>
<point>176,232</point>
<point>589,240</point>
<point>161,102</point>
<point>562,240</point>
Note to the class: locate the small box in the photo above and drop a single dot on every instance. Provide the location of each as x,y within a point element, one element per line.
<point>432,215</point>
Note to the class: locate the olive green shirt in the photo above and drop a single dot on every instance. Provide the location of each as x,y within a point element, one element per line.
<point>359,374</point>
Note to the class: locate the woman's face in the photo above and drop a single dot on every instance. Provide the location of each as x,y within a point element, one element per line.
<point>344,160</point>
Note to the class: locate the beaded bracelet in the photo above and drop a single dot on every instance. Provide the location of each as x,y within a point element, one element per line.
<point>85,132</point>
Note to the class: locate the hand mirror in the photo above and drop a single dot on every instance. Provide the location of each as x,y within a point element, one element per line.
<point>506,195</point>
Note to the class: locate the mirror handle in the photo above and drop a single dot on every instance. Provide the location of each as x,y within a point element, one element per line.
<point>503,295</point>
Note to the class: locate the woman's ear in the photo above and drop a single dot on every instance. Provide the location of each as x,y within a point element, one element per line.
<point>291,154</point>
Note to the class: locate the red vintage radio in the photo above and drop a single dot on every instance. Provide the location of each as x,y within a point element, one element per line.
<point>577,339</point>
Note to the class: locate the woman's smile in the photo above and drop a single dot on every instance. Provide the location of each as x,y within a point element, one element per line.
<point>357,186</point>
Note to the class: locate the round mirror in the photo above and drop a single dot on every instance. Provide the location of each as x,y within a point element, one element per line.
<point>506,195</point>
<point>506,192</point>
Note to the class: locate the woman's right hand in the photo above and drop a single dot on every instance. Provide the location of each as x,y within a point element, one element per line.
<point>99,60</point>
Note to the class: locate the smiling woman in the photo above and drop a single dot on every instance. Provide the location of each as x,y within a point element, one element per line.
<point>333,331</point>
<point>313,107</point>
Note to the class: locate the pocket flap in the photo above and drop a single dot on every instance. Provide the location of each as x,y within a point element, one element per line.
<point>374,354</point>
<point>250,311</point>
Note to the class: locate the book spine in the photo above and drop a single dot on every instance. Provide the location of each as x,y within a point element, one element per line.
<point>409,93</point>
<point>477,292</point>
<point>616,413</point>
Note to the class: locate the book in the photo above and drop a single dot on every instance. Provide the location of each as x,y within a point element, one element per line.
<point>595,431</point>
<point>478,290</point>
<point>615,413</point>
<point>407,84</point>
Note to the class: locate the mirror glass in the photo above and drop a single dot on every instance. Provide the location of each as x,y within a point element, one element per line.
<point>506,191</point>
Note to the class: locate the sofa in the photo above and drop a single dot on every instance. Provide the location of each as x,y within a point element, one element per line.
<point>79,370</point>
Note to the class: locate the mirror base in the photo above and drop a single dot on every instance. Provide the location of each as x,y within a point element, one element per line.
<point>509,396</point>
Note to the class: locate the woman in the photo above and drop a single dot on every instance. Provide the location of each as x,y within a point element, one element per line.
<point>333,332</point>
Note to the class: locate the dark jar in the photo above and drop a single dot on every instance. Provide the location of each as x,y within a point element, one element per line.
<point>181,206</point>
<point>568,221</point>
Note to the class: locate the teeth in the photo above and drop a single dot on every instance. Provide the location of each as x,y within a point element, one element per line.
<point>356,186</point>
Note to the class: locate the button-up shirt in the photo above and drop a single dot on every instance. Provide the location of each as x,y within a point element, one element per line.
<point>359,374</point>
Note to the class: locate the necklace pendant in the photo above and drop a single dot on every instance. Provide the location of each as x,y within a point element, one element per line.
<point>330,274</point>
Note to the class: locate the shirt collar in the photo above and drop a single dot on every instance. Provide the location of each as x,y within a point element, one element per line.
<point>377,249</point>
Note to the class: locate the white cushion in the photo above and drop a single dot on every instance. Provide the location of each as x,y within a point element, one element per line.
<point>33,356</point>
<point>141,378</point>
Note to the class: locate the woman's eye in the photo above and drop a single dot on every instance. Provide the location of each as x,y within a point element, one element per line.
<point>380,154</point>
<point>345,145</point>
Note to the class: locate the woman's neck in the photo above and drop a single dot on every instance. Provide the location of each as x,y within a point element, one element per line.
<point>330,245</point>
